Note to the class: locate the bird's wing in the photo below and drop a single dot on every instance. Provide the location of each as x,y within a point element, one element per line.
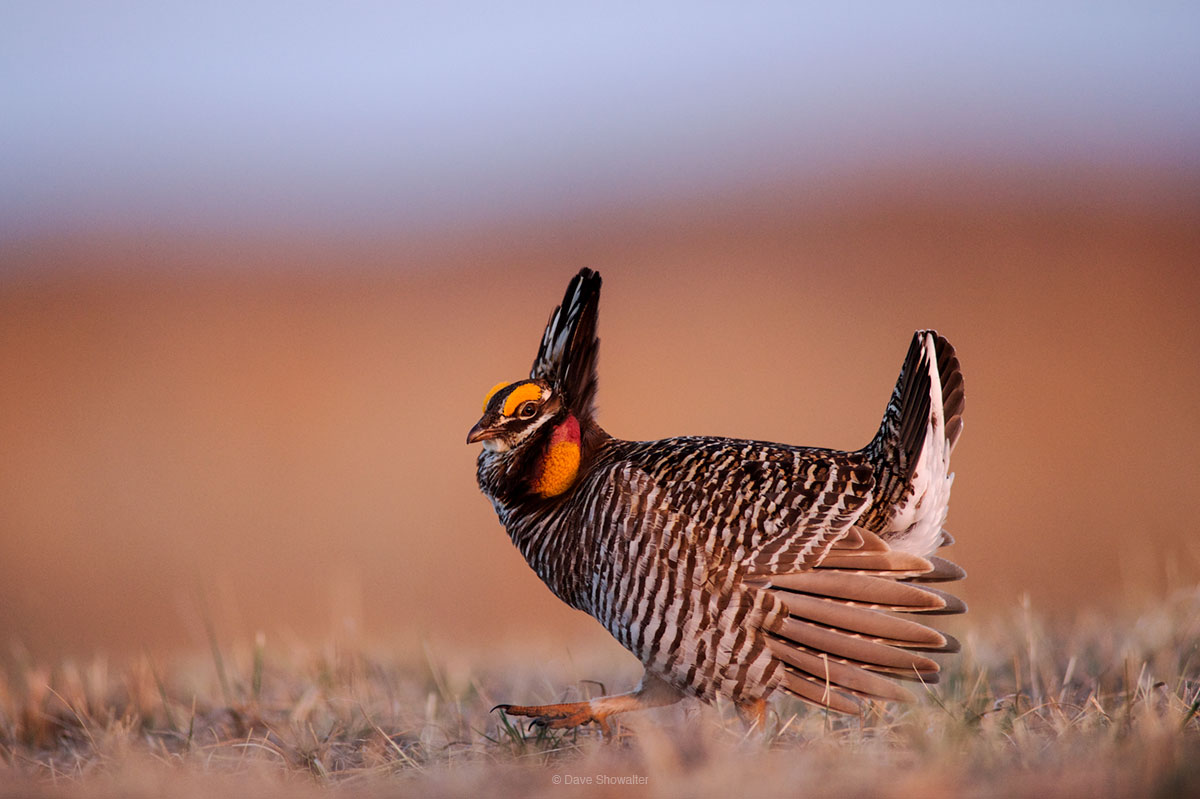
<point>769,509</point>
<point>786,515</point>
<point>837,634</point>
<point>568,352</point>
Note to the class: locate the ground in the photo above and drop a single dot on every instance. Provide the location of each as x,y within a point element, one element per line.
<point>1094,706</point>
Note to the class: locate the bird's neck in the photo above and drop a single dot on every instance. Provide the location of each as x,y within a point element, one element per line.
<point>543,469</point>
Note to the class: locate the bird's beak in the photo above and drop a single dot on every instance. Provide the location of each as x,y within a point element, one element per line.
<point>481,433</point>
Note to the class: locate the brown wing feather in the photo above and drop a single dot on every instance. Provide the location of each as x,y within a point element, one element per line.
<point>839,638</point>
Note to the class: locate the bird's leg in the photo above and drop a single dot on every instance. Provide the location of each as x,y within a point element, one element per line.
<point>651,692</point>
<point>754,712</point>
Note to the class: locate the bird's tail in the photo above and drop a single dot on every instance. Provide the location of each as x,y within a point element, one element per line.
<point>911,451</point>
<point>840,637</point>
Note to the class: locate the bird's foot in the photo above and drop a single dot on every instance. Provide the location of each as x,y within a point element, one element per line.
<point>754,713</point>
<point>561,716</point>
<point>651,692</point>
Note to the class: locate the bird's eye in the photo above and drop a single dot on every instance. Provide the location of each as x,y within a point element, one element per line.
<point>527,410</point>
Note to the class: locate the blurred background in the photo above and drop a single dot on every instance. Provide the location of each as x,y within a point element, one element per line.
<point>260,262</point>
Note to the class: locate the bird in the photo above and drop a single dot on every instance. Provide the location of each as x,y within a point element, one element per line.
<point>730,568</point>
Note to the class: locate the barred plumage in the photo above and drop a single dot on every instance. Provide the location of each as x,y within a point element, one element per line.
<point>728,567</point>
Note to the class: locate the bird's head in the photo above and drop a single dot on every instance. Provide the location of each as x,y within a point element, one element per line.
<point>513,412</point>
<point>531,429</point>
<point>529,415</point>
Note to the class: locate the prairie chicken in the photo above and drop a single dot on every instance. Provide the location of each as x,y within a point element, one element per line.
<point>730,568</point>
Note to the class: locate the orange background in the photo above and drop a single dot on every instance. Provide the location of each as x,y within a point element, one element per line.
<point>270,430</point>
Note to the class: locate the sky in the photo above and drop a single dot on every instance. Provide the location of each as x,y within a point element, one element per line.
<point>393,116</point>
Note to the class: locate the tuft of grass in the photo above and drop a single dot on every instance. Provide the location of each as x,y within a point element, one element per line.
<point>1095,706</point>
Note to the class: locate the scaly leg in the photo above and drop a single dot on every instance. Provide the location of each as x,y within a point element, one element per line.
<point>651,692</point>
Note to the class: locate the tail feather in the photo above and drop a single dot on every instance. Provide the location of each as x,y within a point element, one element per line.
<point>953,395</point>
<point>911,451</point>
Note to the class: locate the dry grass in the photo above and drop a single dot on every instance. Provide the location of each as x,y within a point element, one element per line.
<point>1096,707</point>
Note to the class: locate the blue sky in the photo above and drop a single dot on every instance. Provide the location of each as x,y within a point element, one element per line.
<point>389,115</point>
